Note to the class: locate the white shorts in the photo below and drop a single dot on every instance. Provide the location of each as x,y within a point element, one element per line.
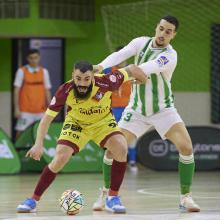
<point>138,124</point>
<point>27,119</point>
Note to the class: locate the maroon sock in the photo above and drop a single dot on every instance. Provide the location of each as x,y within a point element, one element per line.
<point>46,178</point>
<point>117,176</point>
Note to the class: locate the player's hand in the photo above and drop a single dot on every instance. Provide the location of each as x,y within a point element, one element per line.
<point>97,68</point>
<point>17,113</point>
<point>35,152</point>
<point>136,73</point>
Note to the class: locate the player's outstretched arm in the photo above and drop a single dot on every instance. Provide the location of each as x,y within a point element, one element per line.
<point>134,72</point>
<point>37,150</point>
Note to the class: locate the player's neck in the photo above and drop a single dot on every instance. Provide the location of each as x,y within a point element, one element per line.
<point>155,45</point>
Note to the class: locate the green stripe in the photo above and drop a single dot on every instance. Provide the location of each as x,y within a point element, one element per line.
<point>155,93</point>
<point>135,98</point>
<point>143,51</point>
<point>142,97</point>
<point>167,93</point>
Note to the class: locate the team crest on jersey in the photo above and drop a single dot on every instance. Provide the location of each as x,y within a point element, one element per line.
<point>112,78</point>
<point>98,96</point>
<point>162,60</point>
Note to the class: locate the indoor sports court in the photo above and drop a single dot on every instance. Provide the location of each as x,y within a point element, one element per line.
<point>148,195</point>
<point>67,87</point>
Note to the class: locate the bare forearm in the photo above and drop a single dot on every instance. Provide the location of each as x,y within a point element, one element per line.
<point>48,96</point>
<point>43,129</point>
<point>136,73</point>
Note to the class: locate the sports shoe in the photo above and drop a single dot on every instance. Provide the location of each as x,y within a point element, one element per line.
<point>133,167</point>
<point>29,205</point>
<point>113,204</point>
<point>187,204</point>
<point>99,205</point>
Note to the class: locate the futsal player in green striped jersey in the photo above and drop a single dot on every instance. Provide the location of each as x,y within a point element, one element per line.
<point>152,104</point>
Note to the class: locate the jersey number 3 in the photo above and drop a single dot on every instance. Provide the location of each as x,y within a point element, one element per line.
<point>128,116</point>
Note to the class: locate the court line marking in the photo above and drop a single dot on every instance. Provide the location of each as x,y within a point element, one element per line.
<point>144,191</point>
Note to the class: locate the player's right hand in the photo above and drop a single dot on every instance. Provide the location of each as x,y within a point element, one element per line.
<point>97,68</point>
<point>35,152</point>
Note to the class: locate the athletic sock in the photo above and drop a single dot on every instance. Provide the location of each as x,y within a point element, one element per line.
<point>106,168</point>
<point>186,172</point>
<point>117,176</point>
<point>46,178</point>
<point>131,155</point>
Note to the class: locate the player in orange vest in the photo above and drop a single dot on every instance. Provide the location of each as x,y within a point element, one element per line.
<point>31,92</point>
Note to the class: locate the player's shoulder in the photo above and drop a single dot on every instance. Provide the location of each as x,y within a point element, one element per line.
<point>171,52</point>
<point>142,39</point>
<point>100,80</point>
<point>66,87</point>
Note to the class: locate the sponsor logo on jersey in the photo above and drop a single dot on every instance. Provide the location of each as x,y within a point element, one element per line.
<point>70,134</point>
<point>98,96</point>
<point>161,61</point>
<point>101,84</point>
<point>72,127</point>
<point>94,110</point>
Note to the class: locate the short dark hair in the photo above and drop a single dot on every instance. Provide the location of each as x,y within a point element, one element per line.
<point>32,51</point>
<point>171,19</point>
<point>83,66</point>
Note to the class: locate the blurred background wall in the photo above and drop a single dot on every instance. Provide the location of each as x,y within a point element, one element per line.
<point>83,30</point>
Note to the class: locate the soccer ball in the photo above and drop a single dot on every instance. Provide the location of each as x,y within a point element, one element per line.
<point>71,201</point>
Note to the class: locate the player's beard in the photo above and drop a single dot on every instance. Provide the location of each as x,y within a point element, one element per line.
<point>82,95</point>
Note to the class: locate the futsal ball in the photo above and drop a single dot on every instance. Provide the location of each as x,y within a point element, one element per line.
<point>71,202</point>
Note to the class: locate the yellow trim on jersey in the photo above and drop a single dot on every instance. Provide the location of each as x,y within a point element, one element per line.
<point>124,72</point>
<point>51,113</point>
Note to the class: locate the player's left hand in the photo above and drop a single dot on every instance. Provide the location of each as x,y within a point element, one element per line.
<point>135,73</point>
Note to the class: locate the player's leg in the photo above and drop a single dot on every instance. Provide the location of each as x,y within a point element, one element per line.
<point>107,166</point>
<point>170,126</point>
<point>132,157</point>
<point>62,156</point>
<point>135,125</point>
<point>71,140</point>
<point>117,145</point>
<point>99,204</point>
<point>179,135</point>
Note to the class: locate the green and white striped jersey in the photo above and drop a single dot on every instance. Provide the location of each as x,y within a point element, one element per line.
<point>158,64</point>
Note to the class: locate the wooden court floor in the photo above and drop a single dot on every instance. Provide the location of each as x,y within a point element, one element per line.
<point>148,195</point>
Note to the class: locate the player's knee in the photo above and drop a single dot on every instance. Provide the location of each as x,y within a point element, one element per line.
<point>186,147</point>
<point>123,151</point>
<point>58,162</point>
